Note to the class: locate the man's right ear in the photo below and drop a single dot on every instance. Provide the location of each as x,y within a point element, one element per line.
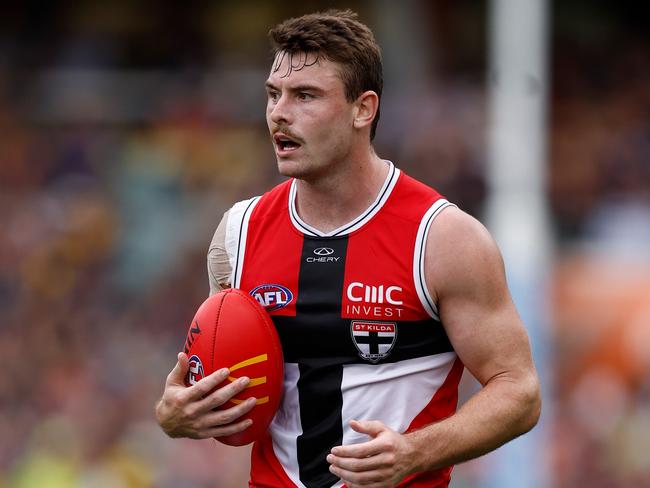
<point>366,107</point>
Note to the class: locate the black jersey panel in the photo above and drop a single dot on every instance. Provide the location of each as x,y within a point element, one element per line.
<point>320,287</point>
<point>328,340</point>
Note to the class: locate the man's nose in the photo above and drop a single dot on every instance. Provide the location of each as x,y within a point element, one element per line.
<point>281,111</point>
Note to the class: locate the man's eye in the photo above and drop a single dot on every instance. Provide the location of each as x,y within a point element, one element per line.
<point>304,96</point>
<point>274,96</point>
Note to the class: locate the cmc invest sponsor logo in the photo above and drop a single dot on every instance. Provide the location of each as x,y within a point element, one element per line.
<point>360,292</point>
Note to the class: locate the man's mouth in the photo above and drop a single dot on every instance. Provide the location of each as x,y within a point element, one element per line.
<point>285,143</point>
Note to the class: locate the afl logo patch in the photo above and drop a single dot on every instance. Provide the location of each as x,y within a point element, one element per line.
<point>272,297</point>
<point>373,340</point>
<point>195,372</point>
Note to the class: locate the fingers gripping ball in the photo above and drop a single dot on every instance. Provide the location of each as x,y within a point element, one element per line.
<point>232,330</point>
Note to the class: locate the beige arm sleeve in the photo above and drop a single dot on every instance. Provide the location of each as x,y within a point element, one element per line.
<point>219,268</point>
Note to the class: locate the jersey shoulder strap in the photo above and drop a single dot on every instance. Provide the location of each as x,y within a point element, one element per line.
<point>239,219</point>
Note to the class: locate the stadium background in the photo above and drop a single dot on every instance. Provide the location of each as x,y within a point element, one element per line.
<point>127,128</point>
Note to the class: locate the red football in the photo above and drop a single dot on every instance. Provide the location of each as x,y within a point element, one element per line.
<point>232,330</point>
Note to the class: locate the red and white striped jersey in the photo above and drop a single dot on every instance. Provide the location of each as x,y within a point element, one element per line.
<point>360,333</point>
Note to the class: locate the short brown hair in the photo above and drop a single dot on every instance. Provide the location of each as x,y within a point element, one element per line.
<point>338,36</point>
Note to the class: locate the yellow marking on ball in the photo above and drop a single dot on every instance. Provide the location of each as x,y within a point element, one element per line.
<point>259,401</point>
<point>253,381</point>
<point>248,362</point>
<point>254,360</point>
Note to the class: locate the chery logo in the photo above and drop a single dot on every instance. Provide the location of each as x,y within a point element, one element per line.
<point>324,256</point>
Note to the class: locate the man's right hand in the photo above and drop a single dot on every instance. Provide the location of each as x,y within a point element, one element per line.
<point>188,411</point>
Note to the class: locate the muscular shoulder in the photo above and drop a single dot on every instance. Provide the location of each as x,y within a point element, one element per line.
<point>461,256</point>
<point>465,271</point>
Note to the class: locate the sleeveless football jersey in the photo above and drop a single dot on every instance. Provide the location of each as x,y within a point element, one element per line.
<point>360,333</point>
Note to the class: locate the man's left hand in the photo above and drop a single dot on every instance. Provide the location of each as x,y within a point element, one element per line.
<point>382,462</point>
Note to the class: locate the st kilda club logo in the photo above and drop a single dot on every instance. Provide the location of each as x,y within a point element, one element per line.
<point>373,340</point>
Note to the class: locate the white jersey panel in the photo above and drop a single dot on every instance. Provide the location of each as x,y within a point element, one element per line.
<point>286,426</point>
<point>394,393</point>
<point>418,257</point>
<point>236,233</point>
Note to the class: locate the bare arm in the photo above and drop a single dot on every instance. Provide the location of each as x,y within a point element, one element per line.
<point>465,275</point>
<point>475,306</point>
<point>189,411</point>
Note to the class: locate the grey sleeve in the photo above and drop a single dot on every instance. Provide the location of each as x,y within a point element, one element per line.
<point>219,269</point>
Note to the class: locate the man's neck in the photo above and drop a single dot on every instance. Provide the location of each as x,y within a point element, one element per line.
<point>332,202</point>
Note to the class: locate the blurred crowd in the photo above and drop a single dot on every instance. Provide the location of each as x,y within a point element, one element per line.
<point>125,133</point>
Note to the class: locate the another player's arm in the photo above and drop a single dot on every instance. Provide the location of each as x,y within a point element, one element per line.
<point>465,274</point>
<point>188,411</point>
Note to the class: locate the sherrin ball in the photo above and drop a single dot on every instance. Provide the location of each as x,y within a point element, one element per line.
<point>231,329</point>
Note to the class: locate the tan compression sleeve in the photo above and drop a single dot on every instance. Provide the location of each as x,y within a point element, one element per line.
<point>219,268</point>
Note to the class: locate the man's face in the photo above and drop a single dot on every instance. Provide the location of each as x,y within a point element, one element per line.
<point>310,120</point>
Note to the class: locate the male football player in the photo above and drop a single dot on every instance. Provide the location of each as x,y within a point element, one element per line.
<point>382,293</point>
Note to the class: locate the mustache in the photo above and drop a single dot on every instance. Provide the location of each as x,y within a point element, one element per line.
<point>287,132</point>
